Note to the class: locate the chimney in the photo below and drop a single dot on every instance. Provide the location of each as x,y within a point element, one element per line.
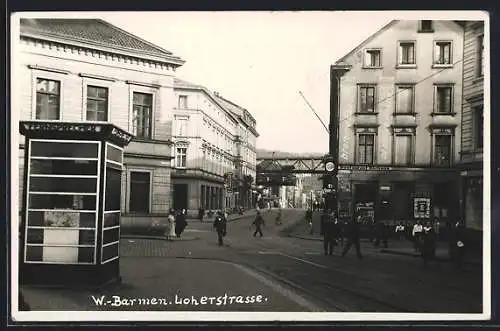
<point>216,93</point>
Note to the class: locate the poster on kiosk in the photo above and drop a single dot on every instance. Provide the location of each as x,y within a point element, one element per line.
<point>70,225</point>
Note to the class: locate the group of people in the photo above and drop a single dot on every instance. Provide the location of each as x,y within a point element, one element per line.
<point>176,223</point>
<point>334,233</point>
<point>424,236</point>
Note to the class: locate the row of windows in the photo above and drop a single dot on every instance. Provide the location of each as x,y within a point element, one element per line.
<point>48,105</point>
<point>404,146</point>
<point>407,55</point>
<point>405,98</point>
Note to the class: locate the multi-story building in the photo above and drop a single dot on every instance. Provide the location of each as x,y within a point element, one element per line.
<point>471,151</point>
<point>246,153</point>
<point>212,146</point>
<point>89,70</point>
<point>400,100</point>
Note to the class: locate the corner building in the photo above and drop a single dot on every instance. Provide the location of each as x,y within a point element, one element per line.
<point>214,150</point>
<point>78,70</point>
<point>400,97</point>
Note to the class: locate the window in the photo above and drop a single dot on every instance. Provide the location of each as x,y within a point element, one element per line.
<point>182,126</point>
<point>406,53</point>
<point>478,126</point>
<point>442,52</point>
<point>480,56</point>
<point>140,185</point>
<point>444,99</point>
<point>425,26</point>
<point>404,99</point>
<point>183,101</point>
<point>180,157</point>
<point>97,103</point>
<point>366,99</point>
<point>372,58</point>
<point>47,99</point>
<point>403,149</point>
<point>142,114</point>
<point>366,144</point>
<point>442,153</point>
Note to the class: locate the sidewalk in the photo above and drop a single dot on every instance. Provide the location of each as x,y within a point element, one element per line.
<point>154,228</point>
<point>396,247</point>
<point>174,284</point>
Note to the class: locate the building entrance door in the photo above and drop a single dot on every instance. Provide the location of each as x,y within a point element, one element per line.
<point>180,196</point>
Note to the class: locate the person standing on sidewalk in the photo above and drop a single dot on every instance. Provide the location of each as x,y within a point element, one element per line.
<point>180,223</point>
<point>201,213</point>
<point>428,249</point>
<point>417,235</point>
<point>309,214</point>
<point>220,226</point>
<point>170,230</point>
<point>353,233</point>
<point>328,220</point>
<point>258,223</point>
<point>437,227</point>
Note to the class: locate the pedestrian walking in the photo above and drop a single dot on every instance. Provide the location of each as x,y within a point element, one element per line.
<point>428,247</point>
<point>201,213</point>
<point>220,226</point>
<point>170,229</point>
<point>417,235</point>
<point>457,245</point>
<point>258,223</point>
<point>278,216</point>
<point>328,220</point>
<point>353,233</point>
<point>180,222</point>
<point>309,214</point>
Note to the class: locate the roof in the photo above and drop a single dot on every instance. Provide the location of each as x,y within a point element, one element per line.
<point>93,32</point>
<point>180,83</point>
<point>230,107</point>
<point>342,60</point>
<point>367,40</point>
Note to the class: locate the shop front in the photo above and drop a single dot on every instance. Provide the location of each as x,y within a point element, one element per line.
<point>70,225</point>
<point>388,193</point>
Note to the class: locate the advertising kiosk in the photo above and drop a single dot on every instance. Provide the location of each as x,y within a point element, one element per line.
<point>70,226</point>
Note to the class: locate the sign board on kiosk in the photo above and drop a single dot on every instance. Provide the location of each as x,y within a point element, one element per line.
<point>70,226</point>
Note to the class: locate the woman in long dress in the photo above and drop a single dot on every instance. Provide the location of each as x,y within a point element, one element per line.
<point>170,225</point>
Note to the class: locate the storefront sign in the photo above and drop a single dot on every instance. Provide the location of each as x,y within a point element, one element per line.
<point>60,127</point>
<point>421,207</point>
<point>364,168</point>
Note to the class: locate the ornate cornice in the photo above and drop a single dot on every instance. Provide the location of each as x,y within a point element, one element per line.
<point>96,52</point>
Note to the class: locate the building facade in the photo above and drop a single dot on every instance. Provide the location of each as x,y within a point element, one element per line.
<point>77,70</point>
<point>211,148</point>
<point>400,100</point>
<point>243,183</point>
<point>471,155</point>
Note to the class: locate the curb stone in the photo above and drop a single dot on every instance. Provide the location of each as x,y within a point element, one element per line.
<point>132,236</point>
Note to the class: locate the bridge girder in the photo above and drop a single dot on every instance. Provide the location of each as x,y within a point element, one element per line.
<point>297,165</point>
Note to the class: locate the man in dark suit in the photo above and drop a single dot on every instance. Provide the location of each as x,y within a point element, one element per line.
<point>353,234</point>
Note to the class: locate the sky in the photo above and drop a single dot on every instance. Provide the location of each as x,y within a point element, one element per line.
<point>261,60</point>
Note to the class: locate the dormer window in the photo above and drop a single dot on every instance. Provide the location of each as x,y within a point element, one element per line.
<point>425,26</point>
